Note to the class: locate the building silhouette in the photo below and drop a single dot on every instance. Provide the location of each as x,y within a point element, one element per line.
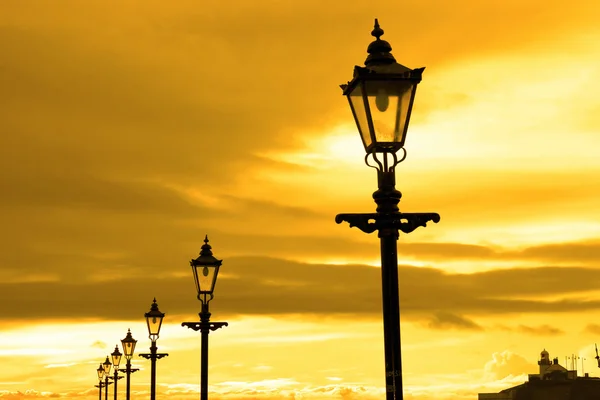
<point>553,382</point>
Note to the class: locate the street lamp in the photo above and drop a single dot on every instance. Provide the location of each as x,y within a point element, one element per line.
<point>154,320</point>
<point>128,347</point>
<point>100,384</point>
<point>381,96</point>
<point>205,269</point>
<point>106,366</point>
<point>116,360</point>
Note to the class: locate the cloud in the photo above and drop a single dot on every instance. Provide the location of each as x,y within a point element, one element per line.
<point>445,320</point>
<point>259,285</point>
<point>592,328</point>
<point>99,344</point>
<point>540,330</point>
<point>506,363</point>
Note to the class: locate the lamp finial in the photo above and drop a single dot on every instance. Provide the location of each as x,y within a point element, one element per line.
<point>377,31</point>
<point>379,50</point>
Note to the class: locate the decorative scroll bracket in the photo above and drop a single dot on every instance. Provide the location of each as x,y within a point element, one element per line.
<point>131,370</point>
<point>202,326</point>
<point>158,356</point>
<point>371,222</point>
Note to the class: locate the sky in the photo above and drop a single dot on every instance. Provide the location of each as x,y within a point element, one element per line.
<point>129,130</point>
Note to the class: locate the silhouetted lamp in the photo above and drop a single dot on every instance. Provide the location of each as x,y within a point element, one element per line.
<point>154,319</point>
<point>116,360</point>
<point>107,365</point>
<point>100,385</point>
<point>381,96</point>
<point>205,269</point>
<point>128,345</point>
<point>100,372</point>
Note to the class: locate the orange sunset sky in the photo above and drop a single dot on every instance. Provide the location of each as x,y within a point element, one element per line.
<point>130,129</point>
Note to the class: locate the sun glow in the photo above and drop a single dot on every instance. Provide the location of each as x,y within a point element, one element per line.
<point>339,147</point>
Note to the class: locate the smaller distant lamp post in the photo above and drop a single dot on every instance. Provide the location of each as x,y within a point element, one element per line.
<point>100,384</point>
<point>116,360</point>
<point>154,320</point>
<point>205,269</point>
<point>128,347</point>
<point>106,366</point>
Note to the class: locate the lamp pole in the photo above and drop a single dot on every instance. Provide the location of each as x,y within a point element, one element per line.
<point>128,347</point>
<point>116,360</point>
<point>205,269</point>
<point>106,366</point>
<point>381,96</point>
<point>100,372</point>
<point>154,320</point>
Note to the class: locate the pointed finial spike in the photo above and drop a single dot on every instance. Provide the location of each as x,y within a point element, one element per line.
<point>205,238</point>
<point>377,31</point>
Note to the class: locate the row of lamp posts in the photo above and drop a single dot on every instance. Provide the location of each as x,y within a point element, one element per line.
<point>205,269</point>
<point>381,96</point>
<point>154,320</point>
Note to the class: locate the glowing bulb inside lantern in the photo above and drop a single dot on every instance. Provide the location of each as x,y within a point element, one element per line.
<point>382,100</point>
<point>205,271</point>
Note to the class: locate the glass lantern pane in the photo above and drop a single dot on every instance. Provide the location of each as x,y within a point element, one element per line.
<point>107,365</point>
<point>116,359</point>
<point>206,276</point>
<point>128,348</point>
<point>357,104</point>
<point>154,322</point>
<point>390,103</point>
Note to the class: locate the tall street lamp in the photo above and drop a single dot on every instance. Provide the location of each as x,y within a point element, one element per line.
<point>205,269</point>
<point>381,96</point>
<point>106,366</point>
<point>154,320</point>
<point>100,385</point>
<point>128,347</point>
<point>116,360</point>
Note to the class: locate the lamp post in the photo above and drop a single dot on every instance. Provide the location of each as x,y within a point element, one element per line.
<point>106,366</point>
<point>205,269</point>
<point>381,96</point>
<point>154,320</point>
<point>116,360</point>
<point>128,347</point>
<point>100,385</point>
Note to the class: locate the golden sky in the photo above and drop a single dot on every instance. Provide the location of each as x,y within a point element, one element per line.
<point>130,129</point>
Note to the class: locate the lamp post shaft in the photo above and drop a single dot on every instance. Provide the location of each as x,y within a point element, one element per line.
<point>106,384</point>
<point>153,371</point>
<point>128,372</point>
<point>116,379</point>
<point>204,319</point>
<point>100,390</point>
<point>389,221</point>
<point>153,356</point>
<point>204,326</point>
<point>391,315</point>
<point>387,199</point>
